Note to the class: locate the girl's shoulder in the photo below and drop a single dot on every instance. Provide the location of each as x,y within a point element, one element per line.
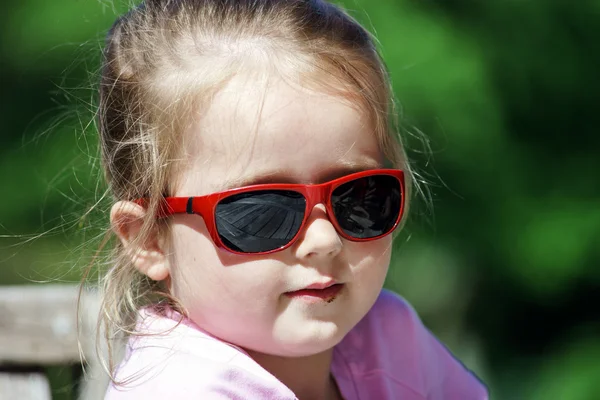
<point>394,355</point>
<point>172,358</point>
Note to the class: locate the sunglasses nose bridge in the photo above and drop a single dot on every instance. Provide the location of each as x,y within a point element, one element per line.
<point>317,194</point>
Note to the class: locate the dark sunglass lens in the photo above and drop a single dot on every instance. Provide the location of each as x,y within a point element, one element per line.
<point>367,207</point>
<point>255,222</point>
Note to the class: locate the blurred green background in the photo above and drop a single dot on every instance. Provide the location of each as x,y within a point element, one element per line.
<point>505,268</point>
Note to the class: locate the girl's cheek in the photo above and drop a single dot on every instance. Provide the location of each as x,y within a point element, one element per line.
<point>369,261</point>
<point>378,252</point>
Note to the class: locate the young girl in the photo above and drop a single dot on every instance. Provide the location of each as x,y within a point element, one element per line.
<point>250,148</point>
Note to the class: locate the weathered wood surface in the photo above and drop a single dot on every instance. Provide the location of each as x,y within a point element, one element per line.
<point>24,386</point>
<point>38,324</point>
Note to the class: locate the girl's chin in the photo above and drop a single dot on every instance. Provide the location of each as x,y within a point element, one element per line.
<point>305,344</point>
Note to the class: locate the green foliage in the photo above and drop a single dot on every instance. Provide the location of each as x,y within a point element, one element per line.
<point>506,92</point>
<point>576,367</point>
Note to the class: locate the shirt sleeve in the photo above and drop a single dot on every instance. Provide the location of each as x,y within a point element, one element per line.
<point>443,376</point>
<point>390,354</point>
<point>184,376</point>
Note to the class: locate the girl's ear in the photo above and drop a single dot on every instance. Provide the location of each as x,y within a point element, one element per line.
<point>149,257</point>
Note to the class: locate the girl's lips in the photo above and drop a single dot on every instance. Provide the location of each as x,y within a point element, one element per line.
<point>323,294</point>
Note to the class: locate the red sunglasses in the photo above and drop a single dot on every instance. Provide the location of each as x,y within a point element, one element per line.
<point>263,219</point>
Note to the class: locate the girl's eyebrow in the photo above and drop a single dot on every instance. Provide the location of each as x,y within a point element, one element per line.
<point>257,179</point>
<point>281,176</point>
<point>338,171</point>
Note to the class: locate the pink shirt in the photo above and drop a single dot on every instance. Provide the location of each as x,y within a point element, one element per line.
<point>388,355</point>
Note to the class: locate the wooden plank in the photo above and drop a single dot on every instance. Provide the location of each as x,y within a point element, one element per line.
<point>24,386</point>
<point>38,324</point>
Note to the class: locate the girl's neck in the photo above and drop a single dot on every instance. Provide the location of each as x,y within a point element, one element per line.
<point>308,377</point>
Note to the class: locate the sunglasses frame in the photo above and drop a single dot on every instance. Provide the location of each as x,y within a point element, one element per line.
<point>205,206</point>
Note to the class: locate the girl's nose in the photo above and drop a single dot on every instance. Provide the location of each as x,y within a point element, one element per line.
<point>319,239</point>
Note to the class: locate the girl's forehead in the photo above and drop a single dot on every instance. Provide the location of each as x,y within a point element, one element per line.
<point>274,132</point>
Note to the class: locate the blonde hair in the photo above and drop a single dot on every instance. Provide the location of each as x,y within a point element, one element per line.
<point>166,58</point>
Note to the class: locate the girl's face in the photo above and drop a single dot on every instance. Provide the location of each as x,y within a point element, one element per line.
<point>288,135</point>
